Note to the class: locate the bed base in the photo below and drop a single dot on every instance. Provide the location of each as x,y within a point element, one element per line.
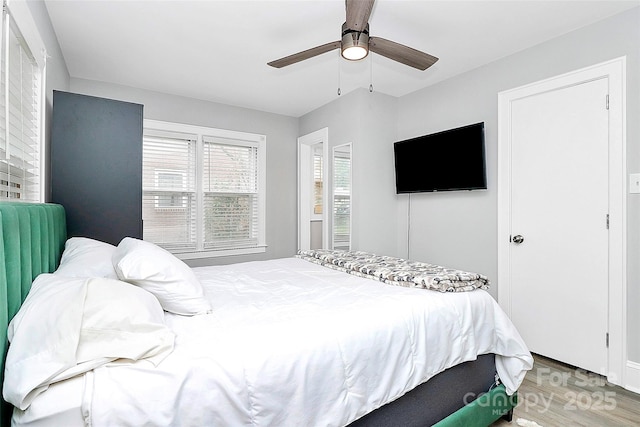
<point>464,395</point>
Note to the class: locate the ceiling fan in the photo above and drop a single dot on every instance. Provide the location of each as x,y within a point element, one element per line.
<point>356,43</point>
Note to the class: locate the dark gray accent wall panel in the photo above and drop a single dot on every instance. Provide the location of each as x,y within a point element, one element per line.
<point>96,165</point>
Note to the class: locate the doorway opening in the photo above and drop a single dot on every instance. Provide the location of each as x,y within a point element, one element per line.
<point>313,223</point>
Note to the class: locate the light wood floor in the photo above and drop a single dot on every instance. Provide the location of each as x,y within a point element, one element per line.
<point>557,395</point>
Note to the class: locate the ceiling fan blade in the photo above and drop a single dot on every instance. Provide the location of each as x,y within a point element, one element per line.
<point>358,12</point>
<point>305,54</point>
<point>401,53</point>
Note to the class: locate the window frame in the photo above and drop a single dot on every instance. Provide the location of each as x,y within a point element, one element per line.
<point>240,138</point>
<point>17,14</point>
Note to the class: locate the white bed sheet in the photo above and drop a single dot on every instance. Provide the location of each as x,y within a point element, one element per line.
<point>60,405</point>
<point>293,343</point>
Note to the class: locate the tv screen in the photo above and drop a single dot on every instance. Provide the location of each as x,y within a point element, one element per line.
<point>445,161</point>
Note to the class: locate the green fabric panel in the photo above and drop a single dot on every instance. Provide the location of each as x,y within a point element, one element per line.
<point>59,220</point>
<point>12,293</point>
<point>5,408</point>
<point>51,235</point>
<point>4,312</point>
<point>30,220</point>
<point>483,411</point>
<point>43,233</point>
<point>11,242</point>
<point>26,269</point>
<point>44,237</point>
<point>36,252</point>
<point>32,237</point>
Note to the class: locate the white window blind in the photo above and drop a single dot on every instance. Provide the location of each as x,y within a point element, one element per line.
<point>203,190</point>
<point>231,196</point>
<point>20,116</point>
<point>317,183</point>
<point>342,202</point>
<point>169,189</point>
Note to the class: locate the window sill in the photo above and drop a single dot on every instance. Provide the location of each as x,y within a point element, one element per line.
<point>220,253</point>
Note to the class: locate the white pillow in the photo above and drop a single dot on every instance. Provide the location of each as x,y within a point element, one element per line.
<point>68,326</point>
<point>84,257</point>
<point>159,272</point>
<point>122,321</point>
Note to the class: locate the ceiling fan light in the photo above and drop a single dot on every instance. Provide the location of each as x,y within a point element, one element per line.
<point>355,44</point>
<point>354,53</point>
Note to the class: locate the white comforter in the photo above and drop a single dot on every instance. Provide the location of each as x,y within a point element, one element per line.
<point>292,343</point>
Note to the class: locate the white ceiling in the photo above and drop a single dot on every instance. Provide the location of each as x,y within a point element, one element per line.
<point>218,50</point>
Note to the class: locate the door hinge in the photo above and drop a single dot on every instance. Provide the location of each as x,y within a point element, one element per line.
<point>607,339</point>
<point>607,101</point>
<point>607,221</point>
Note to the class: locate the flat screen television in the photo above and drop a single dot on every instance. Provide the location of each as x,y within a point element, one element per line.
<point>445,161</point>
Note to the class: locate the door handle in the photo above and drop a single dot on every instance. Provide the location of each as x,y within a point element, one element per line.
<point>517,239</point>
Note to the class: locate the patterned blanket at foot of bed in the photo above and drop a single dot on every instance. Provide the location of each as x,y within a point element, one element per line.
<point>396,271</point>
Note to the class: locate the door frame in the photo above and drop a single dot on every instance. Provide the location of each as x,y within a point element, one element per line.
<point>614,70</point>
<point>305,171</point>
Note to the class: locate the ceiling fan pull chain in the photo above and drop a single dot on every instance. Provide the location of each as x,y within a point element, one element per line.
<point>371,73</point>
<point>339,69</point>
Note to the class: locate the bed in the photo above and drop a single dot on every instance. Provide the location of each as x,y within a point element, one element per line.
<point>280,342</point>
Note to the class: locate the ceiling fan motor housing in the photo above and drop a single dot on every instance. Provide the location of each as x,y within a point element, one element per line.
<point>355,44</point>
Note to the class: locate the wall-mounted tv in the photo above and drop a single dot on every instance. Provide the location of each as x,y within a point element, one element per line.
<point>445,161</point>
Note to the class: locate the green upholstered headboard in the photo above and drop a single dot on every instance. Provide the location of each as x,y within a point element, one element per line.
<point>32,237</point>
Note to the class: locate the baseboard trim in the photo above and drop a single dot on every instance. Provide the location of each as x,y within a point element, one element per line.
<point>632,377</point>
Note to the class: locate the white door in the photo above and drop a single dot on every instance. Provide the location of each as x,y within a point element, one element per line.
<point>559,223</point>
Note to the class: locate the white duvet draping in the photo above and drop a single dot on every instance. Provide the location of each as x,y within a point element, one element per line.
<point>292,343</point>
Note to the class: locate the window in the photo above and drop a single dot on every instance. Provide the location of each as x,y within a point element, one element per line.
<point>21,95</point>
<point>317,180</point>
<point>342,197</point>
<point>203,190</point>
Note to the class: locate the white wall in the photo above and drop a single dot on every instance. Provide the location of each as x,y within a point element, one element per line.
<point>57,74</point>
<point>459,229</point>
<point>281,132</point>
<point>368,121</point>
